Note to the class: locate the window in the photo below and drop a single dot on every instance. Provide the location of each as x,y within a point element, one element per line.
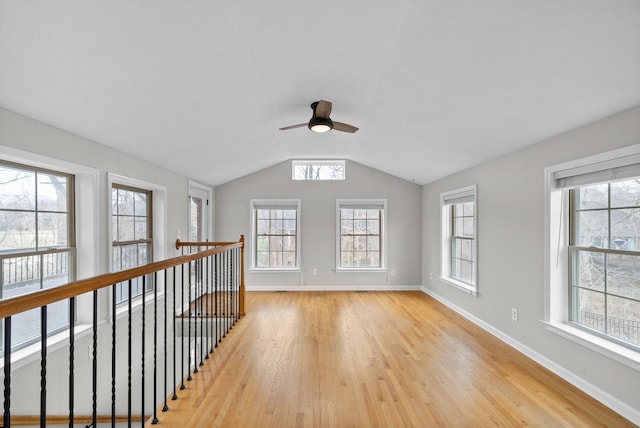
<point>459,238</point>
<point>276,240</point>
<point>37,243</point>
<point>318,169</point>
<point>604,251</point>
<point>361,234</point>
<point>131,228</point>
<point>592,262</point>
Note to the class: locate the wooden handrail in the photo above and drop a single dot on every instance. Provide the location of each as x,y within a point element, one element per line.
<point>37,299</point>
<point>179,243</point>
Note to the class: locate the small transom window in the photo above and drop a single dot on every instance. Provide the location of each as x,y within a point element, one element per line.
<point>318,169</point>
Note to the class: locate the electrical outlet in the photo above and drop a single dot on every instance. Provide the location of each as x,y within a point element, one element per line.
<point>514,314</point>
<point>314,271</point>
<point>430,275</point>
<point>393,272</point>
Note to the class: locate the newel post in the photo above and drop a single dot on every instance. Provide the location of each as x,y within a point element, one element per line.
<point>241,301</point>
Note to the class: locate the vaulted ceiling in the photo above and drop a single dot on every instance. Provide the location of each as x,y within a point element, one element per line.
<point>201,87</point>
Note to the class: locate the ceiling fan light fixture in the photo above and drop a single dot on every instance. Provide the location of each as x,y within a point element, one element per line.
<point>320,125</point>
<point>321,122</point>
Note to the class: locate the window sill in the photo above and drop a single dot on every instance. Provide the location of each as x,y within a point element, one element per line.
<point>31,353</point>
<point>460,285</point>
<point>274,270</point>
<point>622,354</point>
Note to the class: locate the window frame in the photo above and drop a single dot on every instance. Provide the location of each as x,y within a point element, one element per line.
<point>606,252</point>
<point>556,251</point>
<point>448,200</point>
<point>255,205</point>
<point>43,251</point>
<point>362,204</point>
<point>136,186</point>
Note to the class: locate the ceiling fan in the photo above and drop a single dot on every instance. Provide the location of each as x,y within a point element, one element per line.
<point>321,122</point>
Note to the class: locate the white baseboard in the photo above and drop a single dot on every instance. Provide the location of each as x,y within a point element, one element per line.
<point>332,287</point>
<point>620,407</point>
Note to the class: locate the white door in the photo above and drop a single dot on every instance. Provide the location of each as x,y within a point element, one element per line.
<point>199,213</point>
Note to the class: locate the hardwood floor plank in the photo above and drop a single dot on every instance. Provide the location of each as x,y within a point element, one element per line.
<point>349,359</point>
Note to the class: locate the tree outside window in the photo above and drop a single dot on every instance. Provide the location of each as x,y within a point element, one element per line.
<point>276,238</point>
<point>361,234</point>
<point>605,259</point>
<point>131,228</point>
<point>37,243</point>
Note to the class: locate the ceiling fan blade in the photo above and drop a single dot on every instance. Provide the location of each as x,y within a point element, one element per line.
<point>344,127</point>
<point>323,109</point>
<point>300,125</point>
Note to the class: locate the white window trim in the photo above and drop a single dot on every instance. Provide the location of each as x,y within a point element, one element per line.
<point>159,207</point>
<point>445,242</point>
<point>288,202</point>
<point>383,234</point>
<point>556,305</point>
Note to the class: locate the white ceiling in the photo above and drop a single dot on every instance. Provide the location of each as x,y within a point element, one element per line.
<point>201,87</point>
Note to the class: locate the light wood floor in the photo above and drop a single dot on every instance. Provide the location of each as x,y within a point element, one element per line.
<point>372,359</point>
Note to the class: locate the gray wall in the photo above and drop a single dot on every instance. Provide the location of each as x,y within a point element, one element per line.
<point>41,143</point>
<point>318,225</point>
<point>511,252</point>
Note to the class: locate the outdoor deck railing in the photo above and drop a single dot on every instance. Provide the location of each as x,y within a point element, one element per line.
<point>621,328</point>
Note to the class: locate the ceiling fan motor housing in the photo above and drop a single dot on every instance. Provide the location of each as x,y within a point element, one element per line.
<point>320,124</point>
